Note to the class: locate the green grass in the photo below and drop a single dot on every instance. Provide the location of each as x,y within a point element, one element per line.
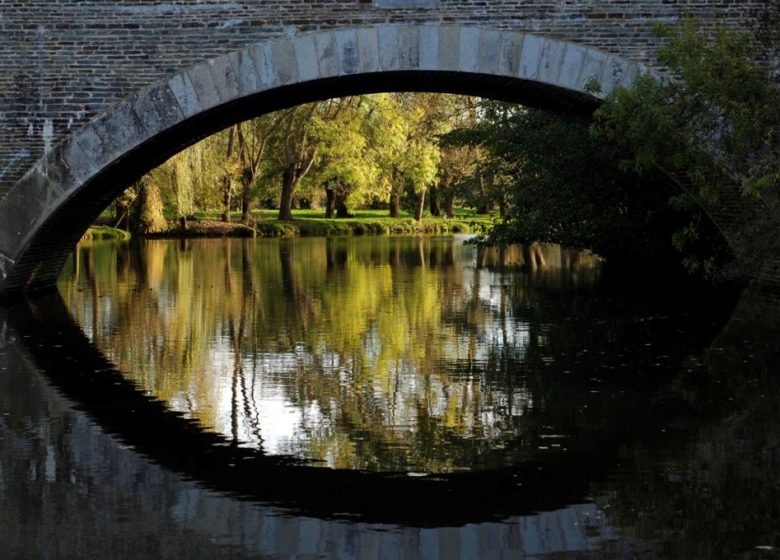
<point>96,233</point>
<point>312,223</point>
<point>366,222</point>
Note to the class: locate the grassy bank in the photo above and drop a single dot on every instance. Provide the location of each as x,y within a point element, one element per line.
<point>312,223</point>
<point>96,233</point>
<point>364,222</point>
<point>367,222</point>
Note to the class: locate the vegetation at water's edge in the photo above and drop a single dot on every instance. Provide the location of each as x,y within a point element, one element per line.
<point>99,232</point>
<point>311,223</point>
<point>636,184</point>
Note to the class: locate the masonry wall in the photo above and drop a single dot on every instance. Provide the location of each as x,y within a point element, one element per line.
<point>63,62</point>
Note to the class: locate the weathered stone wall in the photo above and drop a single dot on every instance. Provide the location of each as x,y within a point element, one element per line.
<point>64,62</point>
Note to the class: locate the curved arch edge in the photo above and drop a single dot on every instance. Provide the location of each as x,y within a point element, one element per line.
<point>277,63</point>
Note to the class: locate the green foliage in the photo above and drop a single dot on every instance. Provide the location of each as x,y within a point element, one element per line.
<point>564,185</point>
<point>103,233</point>
<point>311,223</point>
<point>714,118</point>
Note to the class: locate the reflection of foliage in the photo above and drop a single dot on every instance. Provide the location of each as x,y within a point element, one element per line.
<point>381,353</point>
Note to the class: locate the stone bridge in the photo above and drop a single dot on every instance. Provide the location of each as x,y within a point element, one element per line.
<point>94,93</point>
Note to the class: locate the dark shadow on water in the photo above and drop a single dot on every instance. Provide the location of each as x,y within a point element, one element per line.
<point>60,349</point>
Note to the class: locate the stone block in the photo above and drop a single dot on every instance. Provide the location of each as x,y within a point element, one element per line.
<point>285,61</point>
<point>613,74</point>
<point>368,49</point>
<point>184,92</point>
<point>449,48</point>
<point>203,83</point>
<point>224,78</point>
<point>571,66</point>
<point>265,65</point>
<point>408,48</point>
<point>327,54</point>
<point>111,135</point>
<point>551,61</point>
<point>157,109</point>
<point>468,56</point>
<point>633,70</point>
<point>5,267</point>
<point>347,45</point>
<point>531,57</point>
<point>592,69</point>
<point>246,73</point>
<point>489,56</point>
<point>428,47</point>
<point>509,57</point>
<point>388,47</point>
<point>68,166</point>
<point>306,58</point>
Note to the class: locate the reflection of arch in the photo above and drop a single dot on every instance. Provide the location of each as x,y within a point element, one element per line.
<point>59,348</point>
<point>48,210</point>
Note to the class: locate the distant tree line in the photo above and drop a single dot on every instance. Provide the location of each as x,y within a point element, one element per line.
<point>339,154</point>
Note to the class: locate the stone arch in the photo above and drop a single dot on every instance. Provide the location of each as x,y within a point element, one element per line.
<point>48,210</point>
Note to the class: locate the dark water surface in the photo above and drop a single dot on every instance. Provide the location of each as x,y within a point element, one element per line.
<point>383,398</point>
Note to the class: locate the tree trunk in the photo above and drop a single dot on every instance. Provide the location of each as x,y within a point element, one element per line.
<point>420,206</point>
<point>147,216</point>
<point>330,203</point>
<point>434,201</point>
<point>485,208</point>
<point>449,205</point>
<point>341,207</point>
<point>246,196</point>
<point>289,278</point>
<point>226,187</point>
<point>395,205</point>
<point>288,189</point>
<point>502,207</point>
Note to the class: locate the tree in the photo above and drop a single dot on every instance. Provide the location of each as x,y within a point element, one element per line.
<point>565,185</point>
<point>713,122</point>
<point>146,214</point>
<point>252,139</point>
<point>345,167</point>
<point>715,114</point>
<point>298,144</point>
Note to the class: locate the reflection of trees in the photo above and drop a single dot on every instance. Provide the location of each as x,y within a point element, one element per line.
<point>521,358</point>
<point>371,353</point>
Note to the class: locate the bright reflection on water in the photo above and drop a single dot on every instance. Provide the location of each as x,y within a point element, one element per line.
<point>382,354</point>
<point>378,354</point>
<point>555,413</point>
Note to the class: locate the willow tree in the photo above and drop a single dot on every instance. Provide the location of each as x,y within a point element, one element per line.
<point>146,213</point>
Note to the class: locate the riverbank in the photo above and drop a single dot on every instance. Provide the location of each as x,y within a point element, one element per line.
<point>312,223</point>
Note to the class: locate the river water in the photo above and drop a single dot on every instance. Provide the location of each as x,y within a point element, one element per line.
<point>383,398</point>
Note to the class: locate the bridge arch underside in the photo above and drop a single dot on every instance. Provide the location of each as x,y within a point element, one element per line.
<point>47,212</point>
